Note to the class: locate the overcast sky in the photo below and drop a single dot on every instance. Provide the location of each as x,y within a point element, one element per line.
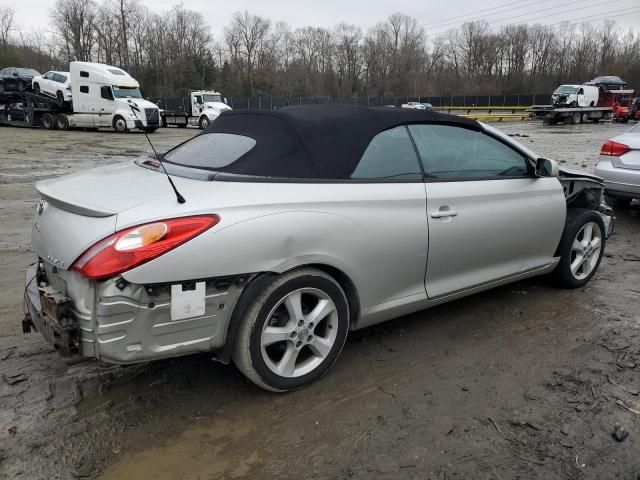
<point>436,15</point>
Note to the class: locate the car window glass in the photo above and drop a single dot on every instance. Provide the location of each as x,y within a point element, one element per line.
<point>458,153</point>
<point>390,155</point>
<point>59,78</point>
<point>48,76</point>
<point>211,150</point>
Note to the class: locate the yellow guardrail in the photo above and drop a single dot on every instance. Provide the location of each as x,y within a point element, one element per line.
<point>492,107</point>
<point>497,117</point>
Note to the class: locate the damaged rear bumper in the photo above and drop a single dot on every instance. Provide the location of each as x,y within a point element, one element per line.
<point>118,322</point>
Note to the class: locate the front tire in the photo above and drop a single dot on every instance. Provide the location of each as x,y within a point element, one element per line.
<point>581,248</point>
<point>203,122</point>
<point>119,124</point>
<point>293,331</point>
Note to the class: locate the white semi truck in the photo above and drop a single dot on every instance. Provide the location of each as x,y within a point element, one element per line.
<point>102,96</point>
<point>199,109</point>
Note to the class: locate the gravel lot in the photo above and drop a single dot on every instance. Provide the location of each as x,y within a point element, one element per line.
<point>525,381</point>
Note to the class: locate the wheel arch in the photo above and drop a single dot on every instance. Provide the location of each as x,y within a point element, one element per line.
<point>260,281</point>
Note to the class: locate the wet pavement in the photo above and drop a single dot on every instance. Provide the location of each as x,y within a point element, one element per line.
<point>524,381</point>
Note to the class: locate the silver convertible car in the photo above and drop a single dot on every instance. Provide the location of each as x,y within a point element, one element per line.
<point>280,231</point>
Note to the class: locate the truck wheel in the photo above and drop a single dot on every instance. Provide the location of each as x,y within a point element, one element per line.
<point>36,88</point>
<point>47,121</point>
<point>292,331</point>
<point>62,122</point>
<point>119,124</point>
<point>584,118</point>
<point>203,123</point>
<point>581,248</point>
<point>575,118</point>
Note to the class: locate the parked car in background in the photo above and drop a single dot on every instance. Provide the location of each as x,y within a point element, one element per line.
<point>417,105</point>
<point>16,112</point>
<point>130,271</point>
<point>619,166</point>
<point>54,84</point>
<point>16,79</point>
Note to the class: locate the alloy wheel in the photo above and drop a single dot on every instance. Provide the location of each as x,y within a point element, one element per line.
<point>585,250</point>
<point>299,333</point>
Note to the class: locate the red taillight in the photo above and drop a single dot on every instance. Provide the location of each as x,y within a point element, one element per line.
<point>134,246</point>
<point>614,149</point>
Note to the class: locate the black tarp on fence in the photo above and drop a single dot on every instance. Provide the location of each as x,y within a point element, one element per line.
<point>268,103</point>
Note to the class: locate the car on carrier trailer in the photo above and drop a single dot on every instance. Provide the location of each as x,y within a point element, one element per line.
<point>102,96</point>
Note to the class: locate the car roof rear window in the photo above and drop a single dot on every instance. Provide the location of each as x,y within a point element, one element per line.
<point>211,151</point>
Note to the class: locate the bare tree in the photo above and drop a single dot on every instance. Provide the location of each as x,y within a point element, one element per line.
<point>248,32</point>
<point>7,15</point>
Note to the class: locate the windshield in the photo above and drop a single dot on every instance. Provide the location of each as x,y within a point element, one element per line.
<point>27,71</point>
<point>126,92</point>
<point>566,89</point>
<point>212,98</point>
<point>210,151</point>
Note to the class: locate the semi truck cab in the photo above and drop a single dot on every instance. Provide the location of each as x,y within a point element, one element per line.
<point>103,96</point>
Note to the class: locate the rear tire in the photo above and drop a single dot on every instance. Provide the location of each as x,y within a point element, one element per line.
<point>293,331</point>
<point>581,248</point>
<point>575,118</point>
<point>47,121</point>
<point>62,122</point>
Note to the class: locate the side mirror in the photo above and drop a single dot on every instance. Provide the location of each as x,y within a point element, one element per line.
<point>546,168</point>
<point>15,74</point>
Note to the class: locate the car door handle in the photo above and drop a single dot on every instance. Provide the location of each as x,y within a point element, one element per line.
<point>444,213</point>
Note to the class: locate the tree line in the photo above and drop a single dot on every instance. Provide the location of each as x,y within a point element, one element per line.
<point>175,51</point>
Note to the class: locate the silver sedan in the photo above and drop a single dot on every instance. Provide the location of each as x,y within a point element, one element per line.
<point>619,166</point>
<point>269,236</point>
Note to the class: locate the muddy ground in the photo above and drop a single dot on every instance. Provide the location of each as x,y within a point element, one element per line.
<point>525,381</point>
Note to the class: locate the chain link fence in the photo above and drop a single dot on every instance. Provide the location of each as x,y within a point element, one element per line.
<point>469,101</point>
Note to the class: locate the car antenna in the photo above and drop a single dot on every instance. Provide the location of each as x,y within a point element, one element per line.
<point>179,197</point>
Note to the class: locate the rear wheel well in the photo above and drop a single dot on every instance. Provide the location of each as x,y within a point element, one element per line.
<point>260,281</point>
<point>347,285</point>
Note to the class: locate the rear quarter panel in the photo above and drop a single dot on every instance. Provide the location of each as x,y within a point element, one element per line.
<point>375,233</point>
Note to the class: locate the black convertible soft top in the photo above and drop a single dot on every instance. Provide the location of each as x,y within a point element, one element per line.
<point>315,141</point>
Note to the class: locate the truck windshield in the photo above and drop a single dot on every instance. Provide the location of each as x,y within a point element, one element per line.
<point>210,151</point>
<point>126,92</point>
<point>566,89</point>
<point>212,98</point>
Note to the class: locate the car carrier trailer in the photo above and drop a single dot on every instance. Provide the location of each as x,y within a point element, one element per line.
<point>102,97</point>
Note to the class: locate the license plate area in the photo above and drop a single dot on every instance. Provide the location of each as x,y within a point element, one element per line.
<point>60,321</point>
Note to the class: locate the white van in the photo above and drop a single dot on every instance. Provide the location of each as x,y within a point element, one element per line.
<point>575,96</point>
<point>103,96</point>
